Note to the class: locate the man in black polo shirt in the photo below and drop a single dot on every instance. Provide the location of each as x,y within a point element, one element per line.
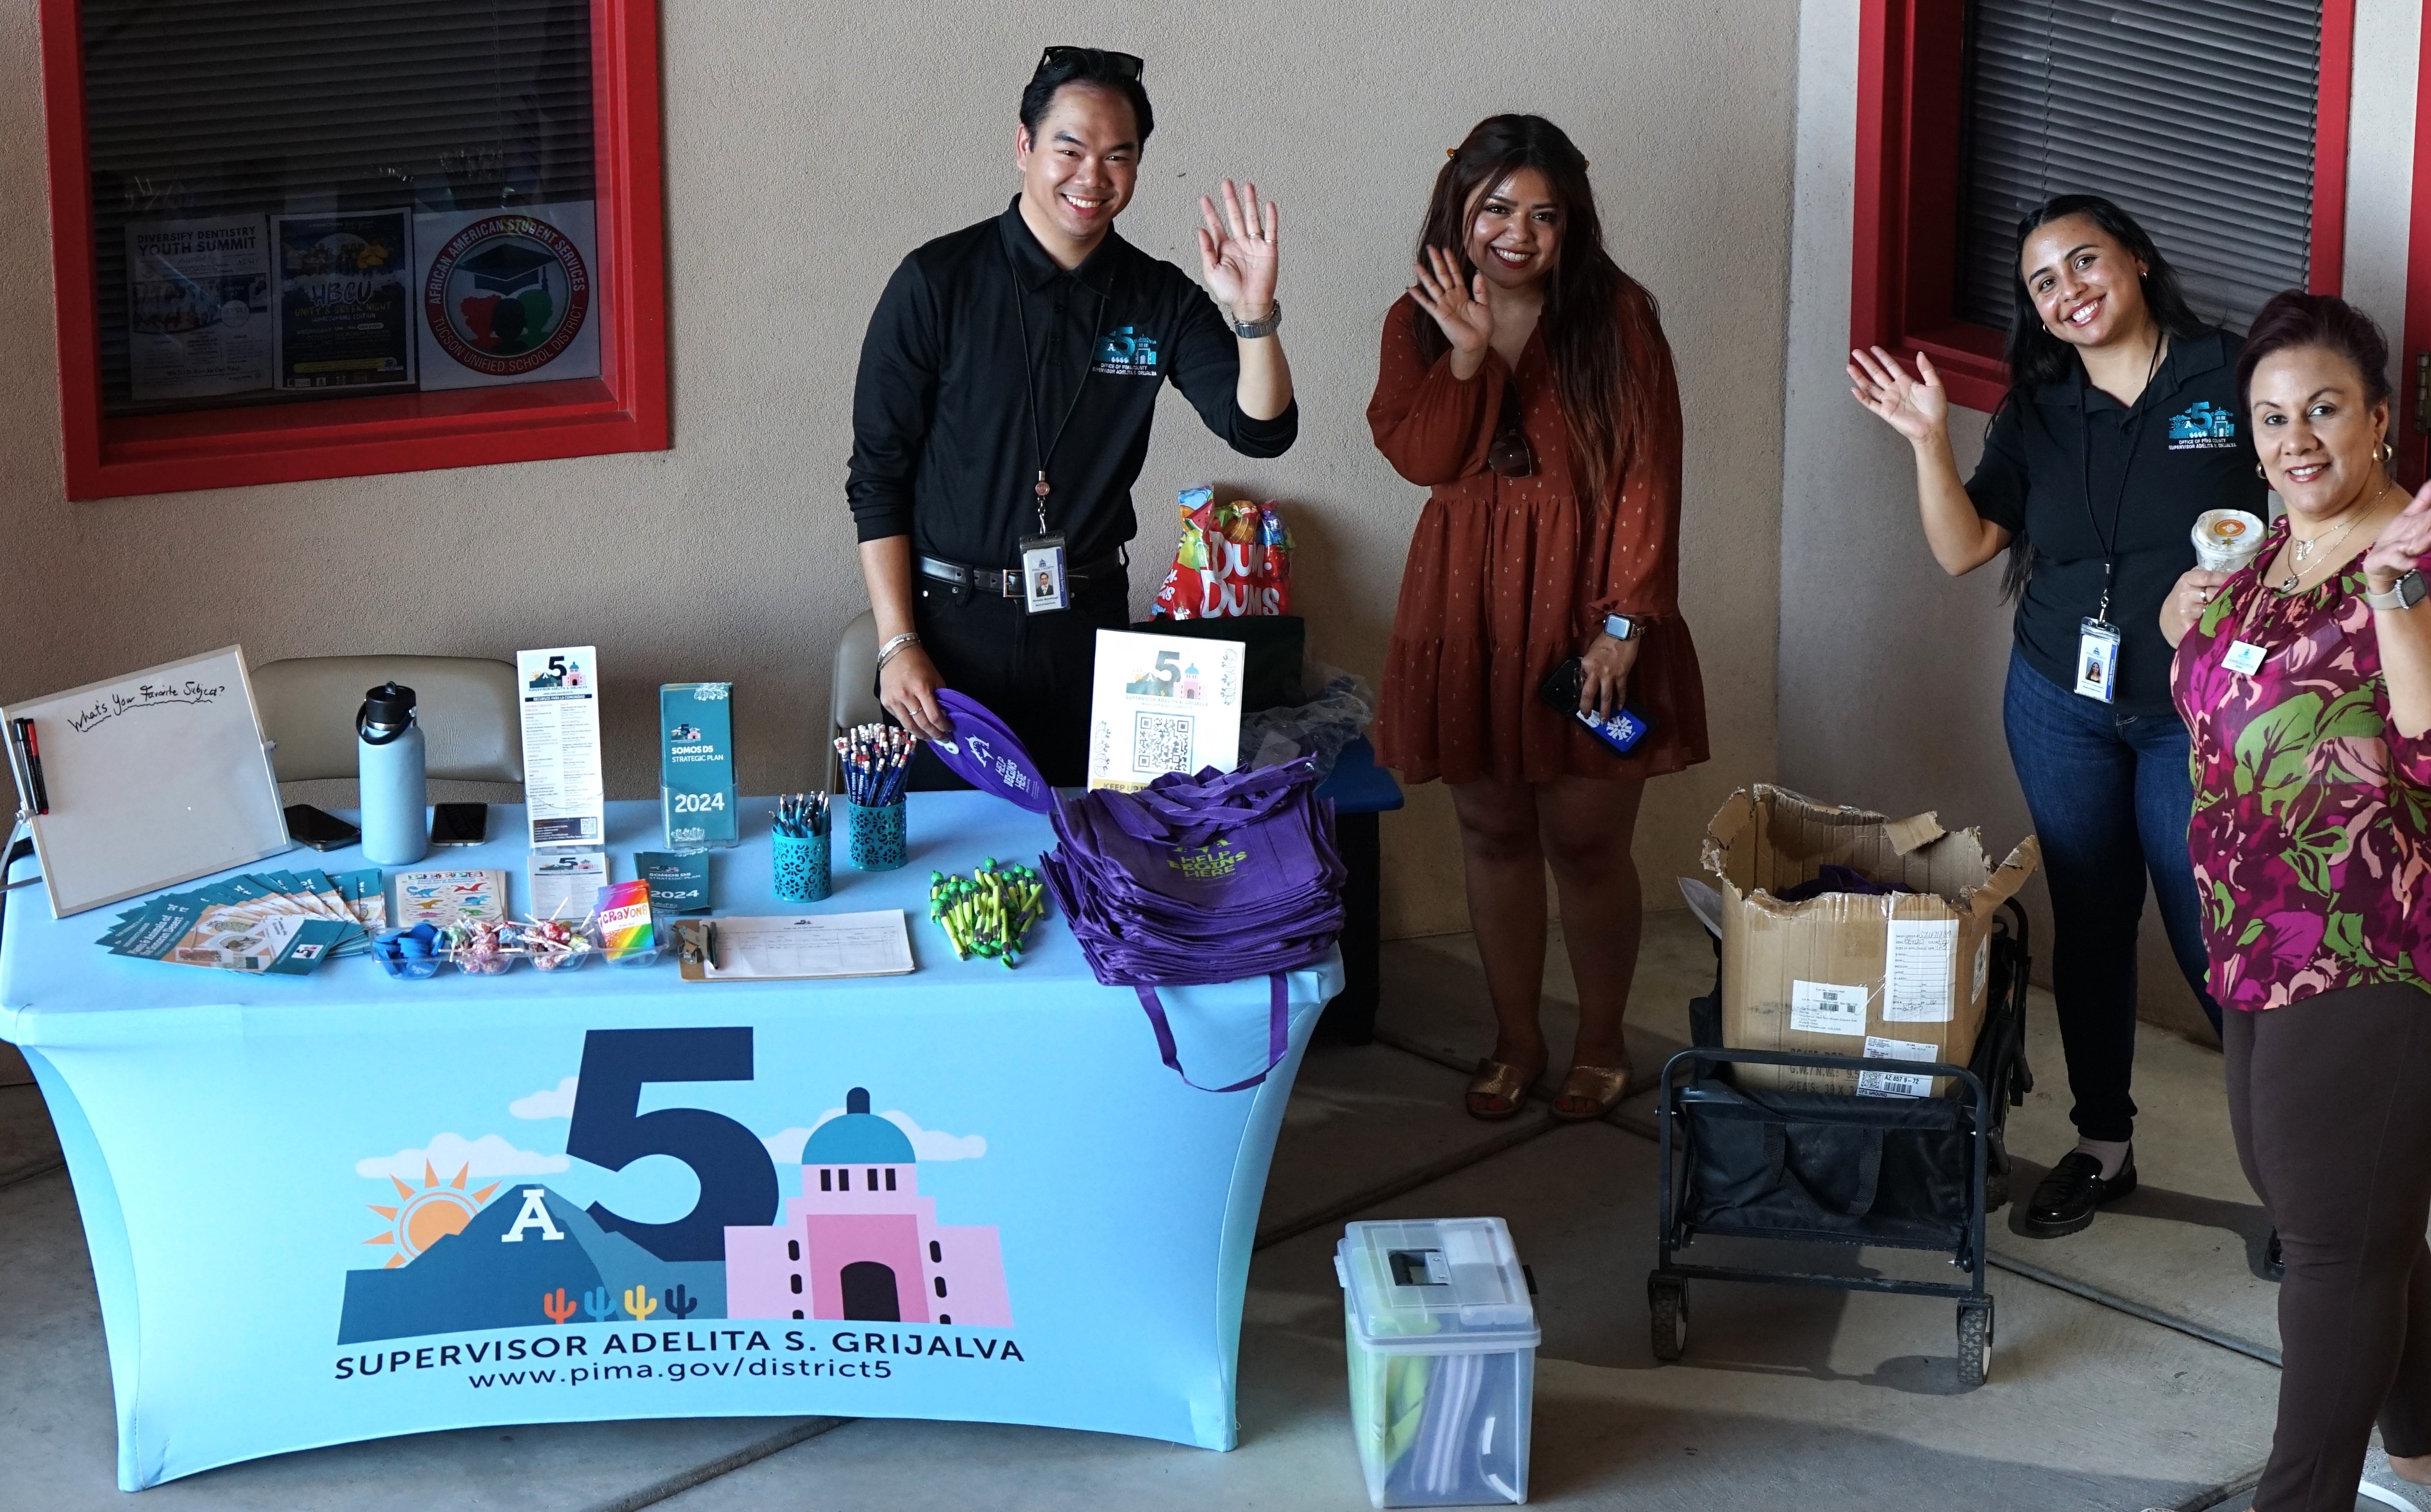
<point>1003,407</point>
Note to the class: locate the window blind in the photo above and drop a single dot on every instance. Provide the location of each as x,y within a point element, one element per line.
<point>2196,116</point>
<point>202,108</point>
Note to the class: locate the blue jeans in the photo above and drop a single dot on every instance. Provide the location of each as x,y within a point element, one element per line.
<point>2110,797</point>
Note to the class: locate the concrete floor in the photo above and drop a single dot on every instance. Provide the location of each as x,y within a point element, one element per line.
<point>2132,1366</point>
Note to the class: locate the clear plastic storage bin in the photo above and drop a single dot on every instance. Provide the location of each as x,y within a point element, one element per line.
<point>1443,1360</point>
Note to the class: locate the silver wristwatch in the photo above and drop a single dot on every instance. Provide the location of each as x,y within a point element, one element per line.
<point>1266,324</point>
<point>2409,590</point>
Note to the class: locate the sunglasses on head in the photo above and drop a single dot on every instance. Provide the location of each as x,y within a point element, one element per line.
<point>1124,67</point>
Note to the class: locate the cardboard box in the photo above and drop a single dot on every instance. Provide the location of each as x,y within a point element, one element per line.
<point>1897,978</point>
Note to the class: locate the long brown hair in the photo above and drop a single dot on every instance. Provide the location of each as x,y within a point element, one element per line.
<point>1590,322</point>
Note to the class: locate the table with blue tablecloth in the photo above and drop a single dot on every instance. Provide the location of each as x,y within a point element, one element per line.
<point>338,1207</point>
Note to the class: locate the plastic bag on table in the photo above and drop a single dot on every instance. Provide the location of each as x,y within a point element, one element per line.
<point>1234,560</point>
<point>1340,712</point>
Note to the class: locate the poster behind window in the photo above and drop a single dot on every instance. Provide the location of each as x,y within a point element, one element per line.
<point>507,296</point>
<point>344,315</point>
<point>199,320</point>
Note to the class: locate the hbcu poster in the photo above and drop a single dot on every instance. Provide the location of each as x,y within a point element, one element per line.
<point>198,307</point>
<point>342,300</point>
<point>507,296</point>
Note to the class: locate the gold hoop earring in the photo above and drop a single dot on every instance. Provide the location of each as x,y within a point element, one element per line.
<point>2259,472</point>
<point>2387,453</point>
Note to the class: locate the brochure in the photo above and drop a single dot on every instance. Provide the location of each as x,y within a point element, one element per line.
<point>198,320</point>
<point>696,764</point>
<point>342,300</point>
<point>679,881</point>
<point>1163,703</point>
<point>563,792</point>
<point>560,883</point>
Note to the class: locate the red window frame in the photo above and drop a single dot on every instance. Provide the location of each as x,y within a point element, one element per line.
<point>623,409</point>
<point>1905,255</point>
<point>2413,426</point>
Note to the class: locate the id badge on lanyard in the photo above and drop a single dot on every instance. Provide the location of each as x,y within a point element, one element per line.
<point>2097,660</point>
<point>1044,589</point>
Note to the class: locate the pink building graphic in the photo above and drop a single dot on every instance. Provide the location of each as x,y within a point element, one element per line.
<point>861,1242</point>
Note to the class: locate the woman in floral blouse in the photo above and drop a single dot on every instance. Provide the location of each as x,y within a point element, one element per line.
<point>2305,681</point>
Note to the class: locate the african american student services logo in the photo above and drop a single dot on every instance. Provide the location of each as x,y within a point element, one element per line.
<point>507,296</point>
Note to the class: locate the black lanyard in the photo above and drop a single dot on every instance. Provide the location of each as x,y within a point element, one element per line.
<point>1045,447</point>
<point>2132,430</point>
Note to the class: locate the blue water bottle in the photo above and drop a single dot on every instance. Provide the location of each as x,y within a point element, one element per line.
<point>388,750</point>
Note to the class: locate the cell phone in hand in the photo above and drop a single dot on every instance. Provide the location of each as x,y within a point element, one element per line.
<point>319,828</point>
<point>1620,731</point>
<point>460,824</point>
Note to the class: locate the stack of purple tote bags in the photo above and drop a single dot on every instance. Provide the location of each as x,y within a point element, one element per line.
<point>1201,880</point>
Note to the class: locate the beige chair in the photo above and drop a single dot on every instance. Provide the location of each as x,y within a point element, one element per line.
<point>470,726</point>
<point>852,697</point>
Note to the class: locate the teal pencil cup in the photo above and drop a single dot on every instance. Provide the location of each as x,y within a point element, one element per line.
<point>802,868</point>
<point>878,840</point>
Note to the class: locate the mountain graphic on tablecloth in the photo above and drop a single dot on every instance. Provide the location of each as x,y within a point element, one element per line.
<point>477,1278</point>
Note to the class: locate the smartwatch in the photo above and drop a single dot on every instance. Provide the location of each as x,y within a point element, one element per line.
<point>1623,626</point>
<point>2409,590</point>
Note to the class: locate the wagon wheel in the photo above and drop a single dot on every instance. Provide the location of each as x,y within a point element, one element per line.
<point>1974,1342</point>
<point>1668,1300</point>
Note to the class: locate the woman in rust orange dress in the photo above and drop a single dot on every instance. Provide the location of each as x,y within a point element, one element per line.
<point>1526,383</point>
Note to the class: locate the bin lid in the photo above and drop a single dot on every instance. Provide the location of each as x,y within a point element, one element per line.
<point>1437,1285</point>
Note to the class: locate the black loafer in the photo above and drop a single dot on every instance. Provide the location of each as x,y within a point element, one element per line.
<point>2065,1201</point>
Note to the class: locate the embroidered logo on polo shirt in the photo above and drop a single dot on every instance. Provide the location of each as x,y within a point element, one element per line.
<point>1125,354</point>
<point>2206,427</point>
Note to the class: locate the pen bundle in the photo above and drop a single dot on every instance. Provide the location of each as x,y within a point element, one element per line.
<point>987,913</point>
<point>802,816</point>
<point>877,763</point>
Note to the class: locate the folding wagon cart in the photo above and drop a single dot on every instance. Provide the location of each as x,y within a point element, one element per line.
<point>1905,1172</point>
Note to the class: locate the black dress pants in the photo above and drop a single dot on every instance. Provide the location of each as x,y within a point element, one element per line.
<point>1030,670</point>
<point>2330,1099</point>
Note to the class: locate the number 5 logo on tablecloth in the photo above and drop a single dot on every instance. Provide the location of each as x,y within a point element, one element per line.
<point>738,1179</point>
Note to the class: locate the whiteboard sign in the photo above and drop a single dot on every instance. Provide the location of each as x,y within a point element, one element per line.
<point>153,779</point>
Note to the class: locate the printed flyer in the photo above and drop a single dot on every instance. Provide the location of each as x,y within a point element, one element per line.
<point>1163,703</point>
<point>507,296</point>
<point>564,789</point>
<point>343,319</point>
<point>199,320</point>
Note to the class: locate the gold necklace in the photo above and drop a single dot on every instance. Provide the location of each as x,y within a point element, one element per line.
<point>2300,549</point>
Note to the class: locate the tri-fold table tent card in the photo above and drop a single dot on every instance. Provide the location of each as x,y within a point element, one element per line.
<point>142,782</point>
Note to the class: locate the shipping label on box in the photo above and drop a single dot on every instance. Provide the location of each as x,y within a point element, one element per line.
<point>1896,976</point>
<point>696,764</point>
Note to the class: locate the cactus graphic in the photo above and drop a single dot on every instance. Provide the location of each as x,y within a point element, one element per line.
<point>680,1303</point>
<point>601,1304</point>
<point>639,1301</point>
<point>557,1304</point>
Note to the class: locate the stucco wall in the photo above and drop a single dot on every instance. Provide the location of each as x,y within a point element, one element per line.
<point>1890,671</point>
<point>808,148</point>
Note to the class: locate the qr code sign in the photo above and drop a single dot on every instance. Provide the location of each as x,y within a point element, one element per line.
<point>1161,742</point>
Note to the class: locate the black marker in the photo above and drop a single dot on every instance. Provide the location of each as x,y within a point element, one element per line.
<point>33,764</point>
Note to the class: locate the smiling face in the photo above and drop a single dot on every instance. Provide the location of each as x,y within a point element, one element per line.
<point>2087,287</point>
<point>2318,434</point>
<point>1515,231</point>
<point>1078,173</point>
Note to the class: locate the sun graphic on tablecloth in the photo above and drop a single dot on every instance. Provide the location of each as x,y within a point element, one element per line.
<point>428,1214</point>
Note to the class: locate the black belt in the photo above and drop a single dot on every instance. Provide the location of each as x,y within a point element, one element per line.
<point>1009,585</point>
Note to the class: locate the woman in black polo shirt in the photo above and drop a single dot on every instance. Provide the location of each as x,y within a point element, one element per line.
<point>2121,427</point>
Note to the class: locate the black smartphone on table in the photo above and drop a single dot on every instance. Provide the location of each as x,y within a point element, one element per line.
<point>460,824</point>
<point>319,828</point>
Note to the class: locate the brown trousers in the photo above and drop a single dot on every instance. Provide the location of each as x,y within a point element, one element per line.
<point>2330,1099</point>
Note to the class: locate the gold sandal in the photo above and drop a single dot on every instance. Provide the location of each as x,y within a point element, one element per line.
<point>1498,1081</point>
<point>1598,1088</point>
